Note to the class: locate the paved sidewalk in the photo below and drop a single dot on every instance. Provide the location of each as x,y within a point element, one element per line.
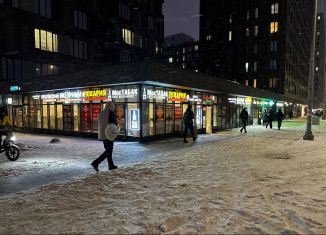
<point>42,163</point>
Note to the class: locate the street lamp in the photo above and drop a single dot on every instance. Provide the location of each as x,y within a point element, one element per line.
<point>308,134</point>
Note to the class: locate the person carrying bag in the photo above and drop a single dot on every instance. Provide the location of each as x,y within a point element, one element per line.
<point>108,130</point>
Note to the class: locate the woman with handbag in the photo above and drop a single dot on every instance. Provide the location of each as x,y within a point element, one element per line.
<point>107,131</point>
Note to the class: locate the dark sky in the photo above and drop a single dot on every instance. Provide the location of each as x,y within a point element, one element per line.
<point>182,16</point>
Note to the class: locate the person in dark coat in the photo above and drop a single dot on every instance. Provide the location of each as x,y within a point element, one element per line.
<point>105,117</point>
<point>188,117</point>
<point>244,119</point>
<point>279,118</point>
<point>269,119</point>
<point>265,117</point>
<point>290,114</point>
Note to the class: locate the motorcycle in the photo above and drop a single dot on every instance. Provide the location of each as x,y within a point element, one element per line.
<point>8,146</point>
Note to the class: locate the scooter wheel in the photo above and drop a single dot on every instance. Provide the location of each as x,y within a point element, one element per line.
<point>13,153</point>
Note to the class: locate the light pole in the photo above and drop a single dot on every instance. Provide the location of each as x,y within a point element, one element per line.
<point>308,134</point>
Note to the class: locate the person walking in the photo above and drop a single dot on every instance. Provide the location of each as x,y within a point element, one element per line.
<point>290,114</point>
<point>244,119</point>
<point>279,118</point>
<point>265,117</point>
<point>4,124</point>
<point>269,119</point>
<point>188,117</point>
<point>106,117</point>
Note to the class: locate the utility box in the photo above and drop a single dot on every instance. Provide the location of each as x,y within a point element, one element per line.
<point>315,120</point>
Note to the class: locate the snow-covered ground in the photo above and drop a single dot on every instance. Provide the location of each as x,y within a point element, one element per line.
<point>266,181</point>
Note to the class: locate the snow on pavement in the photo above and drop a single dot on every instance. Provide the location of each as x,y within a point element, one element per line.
<point>267,182</point>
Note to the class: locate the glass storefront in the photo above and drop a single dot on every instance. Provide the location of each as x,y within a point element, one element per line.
<point>143,110</point>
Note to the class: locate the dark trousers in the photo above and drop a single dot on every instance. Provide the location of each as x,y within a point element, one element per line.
<point>279,124</point>
<point>270,123</point>
<point>191,127</point>
<point>108,145</point>
<point>244,126</point>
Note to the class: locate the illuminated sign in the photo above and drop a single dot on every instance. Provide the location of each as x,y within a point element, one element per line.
<point>177,96</point>
<point>279,105</point>
<point>240,100</point>
<point>9,101</point>
<point>134,113</point>
<point>14,88</point>
<point>123,93</point>
<point>95,95</point>
<point>194,98</point>
<point>154,94</point>
<point>208,99</point>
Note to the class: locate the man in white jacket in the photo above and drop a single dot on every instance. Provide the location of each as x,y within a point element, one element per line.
<point>105,117</point>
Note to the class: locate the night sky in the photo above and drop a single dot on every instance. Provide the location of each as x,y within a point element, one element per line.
<point>183,16</point>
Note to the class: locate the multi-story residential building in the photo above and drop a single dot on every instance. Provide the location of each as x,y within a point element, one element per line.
<point>46,37</point>
<point>263,44</point>
<point>319,78</point>
<point>181,50</point>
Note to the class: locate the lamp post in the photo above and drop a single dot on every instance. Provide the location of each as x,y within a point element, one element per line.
<point>308,134</point>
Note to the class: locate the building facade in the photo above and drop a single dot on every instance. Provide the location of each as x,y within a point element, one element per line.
<point>319,78</point>
<point>40,38</point>
<point>181,50</point>
<point>263,44</point>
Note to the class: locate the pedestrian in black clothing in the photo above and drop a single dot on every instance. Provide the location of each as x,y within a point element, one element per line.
<point>279,118</point>
<point>269,119</point>
<point>265,117</point>
<point>291,114</point>
<point>244,119</point>
<point>188,117</point>
<point>106,116</point>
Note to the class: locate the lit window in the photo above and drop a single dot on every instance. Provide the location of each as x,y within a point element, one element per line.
<point>317,68</point>
<point>247,83</point>
<point>318,17</point>
<point>272,82</point>
<point>317,52</point>
<point>196,47</point>
<point>318,33</point>
<point>248,14</point>
<point>274,8</point>
<point>209,37</point>
<point>255,83</point>
<point>247,32</point>
<point>157,48</point>
<point>37,38</point>
<point>274,27</point>
<point>230,35</point>
<point>183,65</point>
<point>247,67</point>
<point>230,20</point>
<point>127,36</point>
<point>171,60</point>
<point>256,31</point>
<point>184,50</point>
<point>256,13</point>
<point>45,40</point>
<point>183,58</point>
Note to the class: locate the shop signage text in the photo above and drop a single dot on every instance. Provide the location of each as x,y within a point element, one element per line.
<point>154,94</point>
<point>123,93</point>
<point>177,96</point>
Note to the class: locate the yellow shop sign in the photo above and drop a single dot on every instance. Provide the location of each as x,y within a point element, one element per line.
<point>177,96</point>
<point>95,94</point>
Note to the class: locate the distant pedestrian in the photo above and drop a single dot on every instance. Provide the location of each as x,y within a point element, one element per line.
<point>188,117</point>
<point>269,119</point>
<point>291,114</point>
<point>244,119</point>
<point>265,117</point>
<point>279,118</point>
<point>106,116</point>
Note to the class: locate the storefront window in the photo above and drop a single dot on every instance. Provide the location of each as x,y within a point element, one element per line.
<point>148,119</point>
<point>169,118</point>
<point>133,120</point>
<point>52,116</point>
<point>199,114</point>
<point>178,117</point>
<point>26,115</point>
<point>31,116</point>
<point>67,117</point>
<point>45,116</point>
<point>85,121</point>
<point>159,118</point>
<point>215,116</point>
<point>59,117</point>
<point>76,117</point>
<point>96,109</point>
<point>38,115</point>
<point>121,118</point>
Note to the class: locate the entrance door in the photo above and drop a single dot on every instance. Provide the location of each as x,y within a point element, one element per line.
<point>17,116</point>
<point>208,120</point>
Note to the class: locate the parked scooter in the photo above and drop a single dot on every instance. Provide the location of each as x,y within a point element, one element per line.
<point>8,146</point>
